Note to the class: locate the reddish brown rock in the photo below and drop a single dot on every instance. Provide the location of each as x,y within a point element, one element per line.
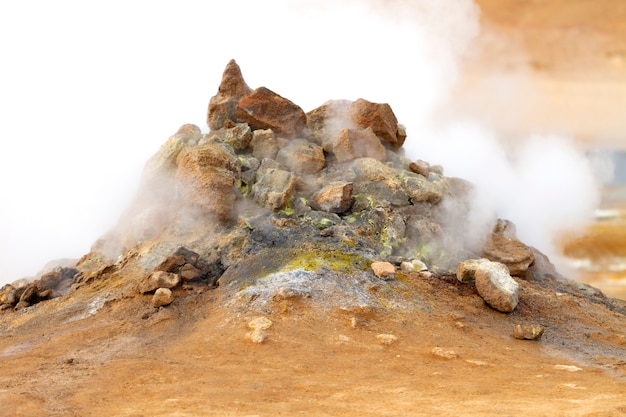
<point>380,118</point>
<point>384,270</point>
<point>511,252</point>
<point>336,197</point>
<point>206,178</point>
<point>420,167</point>
<point>302,156</point>
<point>351,144</point>
<point>324,123</point>
<point>223,105</point>
<point>171,263</point>
<point>264,109</point>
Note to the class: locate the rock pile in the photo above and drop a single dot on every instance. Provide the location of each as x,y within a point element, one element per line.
<point>50,285</point>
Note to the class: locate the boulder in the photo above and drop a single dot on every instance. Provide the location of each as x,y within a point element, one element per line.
<point>351,144</point>
<point>223,106</point>
<point>264,109</point>
<point>162,297</point>
<point>511,252</point>
<point>324,123</point>
<point>264,144</point>
<point>302,156</point>
<point>274,187</point>
<point>158,279</point>
<point>206,178</point>
<point>335,197</point>
<point>380,118</point>
<point>495,285</point>
<point>466,270</point>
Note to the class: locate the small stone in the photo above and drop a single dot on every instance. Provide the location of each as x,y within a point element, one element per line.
<point>420,167</point>
<point>445,354</point>
<point>414,265</point>
<point>260,323</point>
<point>528,331</point>
<point>569,368</point>
<point>386,339</point>
<point>384,270</point>
<point>257,336</point>
<point>162,297</point>
<point>335,197</point>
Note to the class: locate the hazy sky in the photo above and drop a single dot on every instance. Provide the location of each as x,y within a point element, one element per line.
<point>90,89</point>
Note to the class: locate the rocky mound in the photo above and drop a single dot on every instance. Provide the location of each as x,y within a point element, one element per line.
<point>314,234</point>
<point>276,202</point>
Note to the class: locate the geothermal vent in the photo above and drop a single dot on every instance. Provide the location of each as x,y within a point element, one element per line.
<point>275,203</point>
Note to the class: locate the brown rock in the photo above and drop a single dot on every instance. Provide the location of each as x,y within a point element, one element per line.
<point>171,263</point>
<point>528,331</point>
<point>162,297</point>
<point>189,272</point>
<point>238,136</point>
<point>264,109</point>
<point>420,167</point>
<point>335,197</point>
<point>511,252</point>
<point>379,117</point>
<point>30,294</point>
<point>496,287</point>
<point>384,270</point>
<point>223,105</point>
<point>302,156</point>
<point>264,144</point>
<point>206,178</point>
<point>325,122</point>
<point>351,144</point>
<point>158,279</point>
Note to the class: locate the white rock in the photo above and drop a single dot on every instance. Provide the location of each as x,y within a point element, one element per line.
<point>162,297</point>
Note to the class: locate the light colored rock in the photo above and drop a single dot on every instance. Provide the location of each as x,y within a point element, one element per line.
<point>528,331</point>
<point>335,197</point>
<point>569,368</point>
<point>264,144</point>
<point>302,156</point>
<point>351,144</point>
<point>257,336</point>
<point>495,285</point>
<point>274,186</point>
<point>466,270</point>
<point>443,353</point>
<point>158,279</point>
<point>386,339</point>
<point>383,270</point>
<point>260,323</point>
<point>414,265</point>
<point>162,297</point>
<point>237,136</point>
<point>421,190</point>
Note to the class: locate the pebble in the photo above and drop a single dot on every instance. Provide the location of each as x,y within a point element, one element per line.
<point>387,339</point>
<point>445,354</point>
<point>528,331</point>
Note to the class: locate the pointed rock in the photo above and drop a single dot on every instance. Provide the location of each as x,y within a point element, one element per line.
<point>264,109</point>
<point>380,118</point>
<point>503,246</point>
<point>351,144</point>
<point>223,105</point>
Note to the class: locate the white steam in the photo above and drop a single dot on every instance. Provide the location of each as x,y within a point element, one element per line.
<point>90,91</point>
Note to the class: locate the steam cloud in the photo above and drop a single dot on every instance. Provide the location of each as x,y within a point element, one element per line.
<point>107,101</point>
